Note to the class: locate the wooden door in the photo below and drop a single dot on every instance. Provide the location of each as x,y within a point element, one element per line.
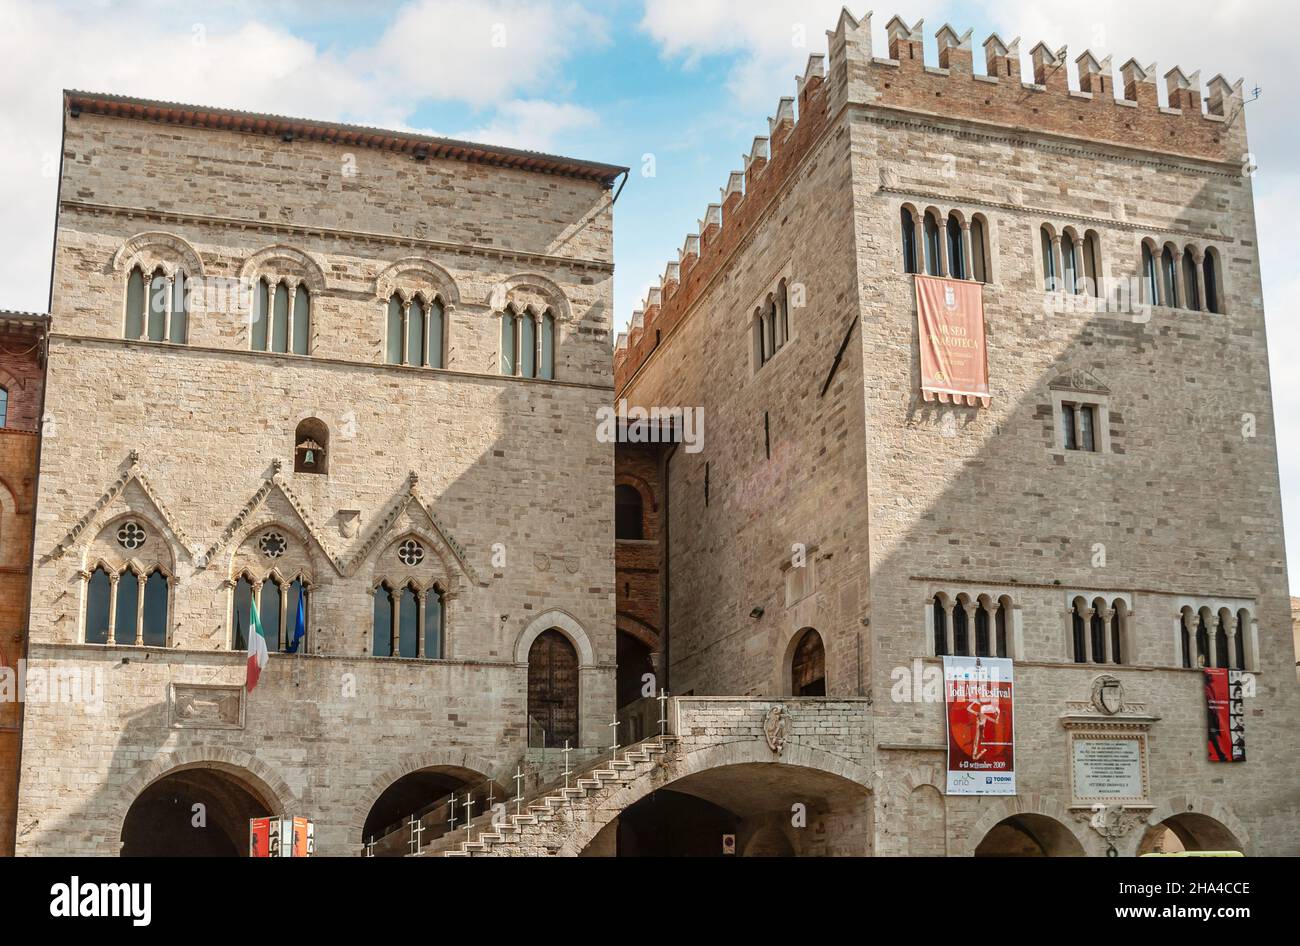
<point>552,691</point>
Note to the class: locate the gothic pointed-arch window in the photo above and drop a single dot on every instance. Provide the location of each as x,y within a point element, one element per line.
<point>242,617</point>
<point>437,317</point>
<point>908,224</point>
<point>1210,266</point>
<point>259,331</point>
<point>4,406</point>
<point>384,606</point>
<point>415,338</point>
<point>1150,283</point>
<point>434,623</point>
<point>153,616</point>
<point>508,329</point>
<point>408,622</point>
<point>1169,277</point>
<point>1191,290</point>
<point>1091,264</point>
<point>956,249</point>
<point>552,691</point>
<point>157,307</point>
<point>280,318</point>
<point>808,665</point>
<point>98,599</point>
<point>979,249</point>
<point>1046,245</point>
<point>933,266</point>
<point>270,601</point>
<point>1069,262</point>
<point>178,327</point>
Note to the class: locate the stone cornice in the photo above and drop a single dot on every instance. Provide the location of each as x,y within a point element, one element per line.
<point>354,236</point>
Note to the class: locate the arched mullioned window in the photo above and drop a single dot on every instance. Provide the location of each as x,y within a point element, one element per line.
<point>408,621</point>
<point>276,599</point>
<point>1150,281</point>
<point>979,248</point>
<point>127,606</point>
<point>966,627</point>
<point>1210,267</point>
<point>933,266</point>
<point>546,349</point>
<point>1191,289</point>
<point>509,326</point>
<point>1050,276</point>
<point>528,343</point>
<point>1098,631</point>
<point>908,224</point>
<point>1169,277</point>
<point>956,249</point>
<point>415,331</point>
<point>157,306</point>
<point>1210,638</point>
<point>281,317</point>
<point>940,626</point>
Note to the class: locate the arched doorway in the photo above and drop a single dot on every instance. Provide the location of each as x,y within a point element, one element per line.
<point>195,812</point>
<point>1029,835</point>
<point>1190,831</point>
<point>552,691</point>
<point>808,665</point>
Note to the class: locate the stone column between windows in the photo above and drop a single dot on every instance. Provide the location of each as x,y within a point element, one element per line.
<point>255,590</point>
<point>112,608</point>
<point>292,288</point>
<point>965,248</point>
<point>139,611</point>
<point>941,237</point>
<point>284,612</point>
<point>1231,629</point>
<point>918,241</point>
<point>420,597</point>
<point>1087,614</point>
<point>1107,617</point>
<point>1178,280</point>
<point>406,319</point>
<point>1078,433</point>
<point>1199,260</point>
<point>169,291</point>
<point>949,631</point>
<point>1211,641</point>
<point>395,630</point>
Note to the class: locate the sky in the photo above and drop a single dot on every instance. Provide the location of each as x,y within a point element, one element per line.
<point>674,89</point>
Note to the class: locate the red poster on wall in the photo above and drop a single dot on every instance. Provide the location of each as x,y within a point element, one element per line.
<point>981,726</point>
<point>950,325</point>
<point>1225,713</point>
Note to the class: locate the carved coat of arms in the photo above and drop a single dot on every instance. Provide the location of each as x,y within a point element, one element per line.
<point>775,727</point>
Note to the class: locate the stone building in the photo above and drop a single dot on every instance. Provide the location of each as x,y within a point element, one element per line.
<point>22,378</point>
<point>292,359</point>
<point>1110,519</point>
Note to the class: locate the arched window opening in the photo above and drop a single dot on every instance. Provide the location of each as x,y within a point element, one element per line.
<point>1069,263</point>
<point>1078,634</point>
<point>1117,636</point>
<point>1150,286</point>
<point>956,250</point>
<point>1191,290</point>
<point>1169,276</point>
<point>1049,259</point>
<point>1202,642</point>
<point>158,294</point>
<point>178,330</point>
<point>528,345</point>
<point>154,616</point>
<point>135,304</point>
<point>408,623</point>
<point>4,407</point>
<point>298,605</point>
<point>552,691</point>
<point>1000,622</point>
<point>434,623</point>
<point>1240,642</point>
<point>243,608</point>
<point>301,321</point>
<point>382,639</point>
<point>982,637</point>
<point>393,348</point>
<point>280,319</point>
<point>547,366</point>
<point>127,610</point>
<point>268,613</point>
<point>979,249</point>
<point>1185,637</point>
<point>98,596</point>
<point>908,224</point>
<point>628,521</point>
<point>260,331</point>
<point>940,627</point>
<point>808,665</point>
<point>437,334</point>
<point>781,315</point>
<point>311,440</point>
<point>1091,264</point>
<point>508,342</point>
<point>415,340</point>
<point>1210,266</point>
<point>960,631</point>
<point>932,264</point>
<point>1221,655</point>
<point>1097,626</point>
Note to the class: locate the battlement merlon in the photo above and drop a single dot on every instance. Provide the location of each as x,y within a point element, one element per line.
<point>1049,103</point>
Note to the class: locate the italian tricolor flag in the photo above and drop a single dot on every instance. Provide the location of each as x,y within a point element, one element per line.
<point>257,653</point>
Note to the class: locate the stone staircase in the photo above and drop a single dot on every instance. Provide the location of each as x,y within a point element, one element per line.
<point>541,827</point>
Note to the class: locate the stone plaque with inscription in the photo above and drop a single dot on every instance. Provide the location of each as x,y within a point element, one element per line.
<point>206,706</point>
<point>1108,767</point>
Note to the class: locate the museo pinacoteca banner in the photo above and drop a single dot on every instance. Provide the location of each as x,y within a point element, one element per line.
<point>950,325</point>
<point>1225,710</point>
<point>981,726</point>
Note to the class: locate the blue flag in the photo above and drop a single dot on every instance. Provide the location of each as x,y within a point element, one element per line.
<point>300,625</point>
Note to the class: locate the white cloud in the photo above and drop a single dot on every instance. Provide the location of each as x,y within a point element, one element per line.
<point>532,124</point>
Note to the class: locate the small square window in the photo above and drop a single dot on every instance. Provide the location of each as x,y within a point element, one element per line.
<point>1081,426</point>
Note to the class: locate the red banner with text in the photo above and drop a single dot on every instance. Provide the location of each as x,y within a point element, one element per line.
<point>950,324</point>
